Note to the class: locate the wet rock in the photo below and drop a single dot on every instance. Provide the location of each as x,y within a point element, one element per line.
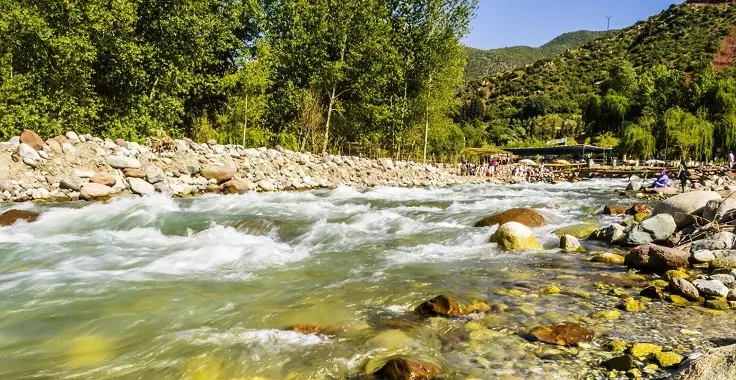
<point>525,216</point>
<point>580,231</point>
<point>91,191</point>
<point>141,187</point>
<point>726,279</point>
<point>443,306</point>
<point>620,363</point>
<point>675,273</point>
<point>656,258</point>
<point>718,303</point>
<point>134,173</point>
<point>668,359</point>
<point>681,206</point>
<point>607,314</point>
<point>642,351</point>
<point>71,183</point>
<point>218,173</point>
<point>713,288</point>
<point>653,229</point>
<point>313,329</point>
<point>32,139</point>
<point>716,364</point>
<point>703,256</point>
<point>631,305</point>
<point>613,234</point>
<point>634,186</point>
<point>570,244</point>
<point>608,258</point>
<point>514,236</point>
<point>677,300</point>
<point>640,208</point>
<point>123,162</point>
<point>616,210</point>
<point>10,217</point>
<point>562,335</point>
<point>652,292</point>
<point>685,288</point>
<point>103,178</point>
<point>407,369</point>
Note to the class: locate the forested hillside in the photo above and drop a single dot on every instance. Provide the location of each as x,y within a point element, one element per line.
<point>482,63</point>
<point>374,75</point>
<point>647,86</point>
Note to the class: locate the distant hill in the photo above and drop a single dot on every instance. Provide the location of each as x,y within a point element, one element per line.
<point>482,63</point>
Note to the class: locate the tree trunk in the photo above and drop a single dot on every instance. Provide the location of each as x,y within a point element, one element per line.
<point>333,97</point>
<point>245,118</point>
<point>426,120</point>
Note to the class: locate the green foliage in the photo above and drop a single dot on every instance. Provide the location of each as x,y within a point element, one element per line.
<point>690,134</point>
<point>637,139</point>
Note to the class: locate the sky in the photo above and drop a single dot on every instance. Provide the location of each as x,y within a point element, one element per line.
<point>502,23</point>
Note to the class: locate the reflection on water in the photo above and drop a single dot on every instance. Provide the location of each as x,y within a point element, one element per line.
<point>205,288</point>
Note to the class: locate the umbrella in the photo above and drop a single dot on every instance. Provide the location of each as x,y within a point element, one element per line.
<point>527,162</point>
<point>562,162</point>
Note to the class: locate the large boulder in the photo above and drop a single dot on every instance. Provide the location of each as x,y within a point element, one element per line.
<point>28,153</point>
<point>713,288</point>
<point>8,218</point>
<point>31,138</point>
<point>718,242</point>
<point>652,229</point>
<point>683,206</point>
<point>613,234</point>
<point>515,236</point>
<point>656,258</point>
<point>716,364</point>
<point>218,173</point>
<point>91,191</point>
<point>123,162</point>
<point>237,186</point>
<point>720,210</point>
<point>525,216</point>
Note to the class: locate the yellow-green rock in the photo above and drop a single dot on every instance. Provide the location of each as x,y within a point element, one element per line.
<point>677,300</point>
<point>578,293</point>
<point>651,368</point>
<point>477,307</point>
<point>632,305</point>
<point>639,217</point>
<point>607,314</point>
<point>608,258</point>
<point>580,231</point>
<point>515,293</point>
<point>659,283</point>
<point>551,289</point>
<point>618,346</point>
<point>643,351</point>
<point>500,308</point>
<point>668,359</point>
<point>675,273</point>
<point>514,236</point>
<point>717,304</point>
<point>634,373</point>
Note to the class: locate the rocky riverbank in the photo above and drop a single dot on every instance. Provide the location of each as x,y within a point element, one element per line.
<point>73,167</point>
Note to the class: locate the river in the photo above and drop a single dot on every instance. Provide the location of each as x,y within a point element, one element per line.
<point>205,288</point>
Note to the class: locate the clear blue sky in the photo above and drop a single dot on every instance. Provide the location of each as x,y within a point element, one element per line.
<point>502,23</point>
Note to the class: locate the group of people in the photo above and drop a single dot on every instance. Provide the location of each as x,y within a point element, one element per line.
<point>664,180</point>
<point>487,168</point>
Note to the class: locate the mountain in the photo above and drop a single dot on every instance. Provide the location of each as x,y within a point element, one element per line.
<point>482,63</point>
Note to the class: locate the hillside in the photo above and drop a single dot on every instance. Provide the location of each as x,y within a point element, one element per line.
<point>482,63</point>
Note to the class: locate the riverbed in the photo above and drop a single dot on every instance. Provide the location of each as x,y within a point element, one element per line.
<point>208,287</point>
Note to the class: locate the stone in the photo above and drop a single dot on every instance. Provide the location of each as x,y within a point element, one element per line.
<point>723,262</point>
<point>103,178</point>
<point>91,191</point>
<point>407,369</point>
<point>83,173</point>
<point>30,162</point>
<point>653,229</point>
<point>121,143</point>
<point>720,210</point>
<point>68,148</point>
<point>703,256</point>
<point>613,234</point>
<point>716,364</point>
<point>140,187</point>
<point>237,186</point>
<point>713,288</point>
<point>725,279</point>
<point>72,136</point>
<point>31,139</point>
<point>642,351</point>
<point>562,335</point>
<point>55,146</point>
<point>717,304</point>
<point>620,363</point>
<point>685,288</point>
<point>607,314</point>
<point>134,173</point>
<point>570,244</point>
<point>515,236</point>
<point>525,216</point>
<point>551,289</point>
<point>27,152</point>
<point>652,292</point>
<point>656,258</point>
<point>211,142</point>
<point>580,231</point>
<point>616,210</point>
<point>122,162</point>
<point>10,217</point>
<point>71,183</point>
<point>634,186</point>
<point>668,359</point>
<point>631,305</point>
<point>681,206</point>
<point>154,174</point>
<point>675,273</point>
<point>608,258</point>
<point>219,173</point>
<point>442,306</point>
<point>266,185</point>
<point>677,300</point>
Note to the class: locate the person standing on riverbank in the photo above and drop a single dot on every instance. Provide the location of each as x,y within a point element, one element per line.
<point>731,159</point>
<point>683,175</point>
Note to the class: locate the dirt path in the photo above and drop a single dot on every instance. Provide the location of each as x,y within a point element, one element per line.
<point>725,56</point>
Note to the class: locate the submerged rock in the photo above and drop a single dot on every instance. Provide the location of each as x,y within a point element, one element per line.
<point>620,363</point>
<point>514,236</point>
<point>525,216</point>
<point>616,210</point>
<point>643,351</point>
<point>407,369</point>
<point>656,258</point>
<point>613,234</point>
<point>562,335</point>
<point>716,364</point>
<point>608,258</point>
<point>443,306</point>
<point>10,217</point>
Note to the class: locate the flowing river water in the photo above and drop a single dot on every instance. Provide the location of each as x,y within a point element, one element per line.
<point>205,288</point>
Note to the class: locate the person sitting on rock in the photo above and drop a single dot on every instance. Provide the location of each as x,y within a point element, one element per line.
<point>662,181</point>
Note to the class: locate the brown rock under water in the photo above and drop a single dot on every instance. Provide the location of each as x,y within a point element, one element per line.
<point>444,306</point>
<point>8,218</point>
<point>407,369</point>
<point>616,210</point>
<point>562,335</point>
<point>525,216</point>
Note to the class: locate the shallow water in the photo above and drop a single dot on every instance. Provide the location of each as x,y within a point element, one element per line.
<point>205,288</point>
